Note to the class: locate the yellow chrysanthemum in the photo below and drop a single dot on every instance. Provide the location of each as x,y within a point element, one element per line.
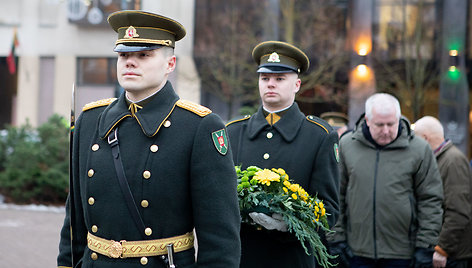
<point>285,189</point>
<point>294,188</point>
<point>266,176</point>
<point>323,211</point>
<point>294,196</point>
<point>287,184</point>
<point>281,171</point>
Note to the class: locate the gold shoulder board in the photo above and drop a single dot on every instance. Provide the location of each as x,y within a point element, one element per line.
<point>315,120</point>
<point>99,103</point>
<point>194,107</point>
<point>246,117</point>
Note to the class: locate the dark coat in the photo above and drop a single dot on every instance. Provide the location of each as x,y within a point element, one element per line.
<point>456,233</point>
<point>390,196</point>
<point>306,148</point>
<point>191,184</point>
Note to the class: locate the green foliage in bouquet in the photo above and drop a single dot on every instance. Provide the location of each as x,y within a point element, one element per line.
<point>271,191</point>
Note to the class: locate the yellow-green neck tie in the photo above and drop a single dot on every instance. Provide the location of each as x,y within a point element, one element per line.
<point>134,108</point>
<point>272,118</point>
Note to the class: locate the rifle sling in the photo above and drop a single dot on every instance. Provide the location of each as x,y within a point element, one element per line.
<point>120,172</point>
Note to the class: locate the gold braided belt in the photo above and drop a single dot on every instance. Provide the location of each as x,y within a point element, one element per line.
<point>142,248</point>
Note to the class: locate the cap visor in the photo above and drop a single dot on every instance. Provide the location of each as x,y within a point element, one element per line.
<point>128,48</point>
<point>275,69</point>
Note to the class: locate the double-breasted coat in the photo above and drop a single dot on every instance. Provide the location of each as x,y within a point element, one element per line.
<point>181,178</point>
<point>306,148</point>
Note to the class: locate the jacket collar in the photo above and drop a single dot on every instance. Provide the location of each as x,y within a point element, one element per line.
<point>441,149</point>
<point>288,126</point>
<point>150,117</point>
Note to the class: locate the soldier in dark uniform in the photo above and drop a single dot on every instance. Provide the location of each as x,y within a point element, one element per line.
<point>338,121</point>
<point>278,135</point>
<point>149,168</point>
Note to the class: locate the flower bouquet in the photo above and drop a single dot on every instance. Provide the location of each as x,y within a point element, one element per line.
<point>271,191</point>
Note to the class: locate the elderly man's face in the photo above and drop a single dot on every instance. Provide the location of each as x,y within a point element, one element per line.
<point>383,127</point>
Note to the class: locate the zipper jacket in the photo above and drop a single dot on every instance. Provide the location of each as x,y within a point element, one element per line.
<point>390,196</point>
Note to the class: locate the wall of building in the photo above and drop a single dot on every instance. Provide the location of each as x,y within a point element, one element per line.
<point>44,32</point>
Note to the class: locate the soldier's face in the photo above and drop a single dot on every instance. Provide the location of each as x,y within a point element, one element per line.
<point>278,91</point>
<point>383,127</point>
<point>143,73</point>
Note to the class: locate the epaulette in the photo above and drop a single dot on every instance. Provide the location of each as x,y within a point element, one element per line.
<point>319,122</point>
<point>246,117</point>
<point>194,107</point>
<point>99,103</point>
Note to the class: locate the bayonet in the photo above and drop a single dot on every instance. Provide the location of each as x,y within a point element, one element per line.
<point>71,184</point>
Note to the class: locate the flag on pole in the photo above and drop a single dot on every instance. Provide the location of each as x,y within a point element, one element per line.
<point>11,57</point>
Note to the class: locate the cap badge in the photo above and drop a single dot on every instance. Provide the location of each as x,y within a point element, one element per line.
<point>274,57</point>
<point>131,32</point>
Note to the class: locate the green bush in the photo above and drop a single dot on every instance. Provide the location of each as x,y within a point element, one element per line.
<point>34,163</point>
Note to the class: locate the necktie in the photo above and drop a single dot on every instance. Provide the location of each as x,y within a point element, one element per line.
<point>272,118</point>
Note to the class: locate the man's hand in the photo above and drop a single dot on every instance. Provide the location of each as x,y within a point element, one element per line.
<point>276,222</point>
<point>439,261</point>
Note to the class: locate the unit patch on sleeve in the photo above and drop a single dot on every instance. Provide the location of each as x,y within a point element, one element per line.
<point>220,141</point>
<point>336,152</point>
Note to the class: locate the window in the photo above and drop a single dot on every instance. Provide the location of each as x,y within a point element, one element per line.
<point>96,71</point>
<point>400,28</point>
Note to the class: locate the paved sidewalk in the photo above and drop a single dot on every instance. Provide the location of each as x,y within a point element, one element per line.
<point>29,235</point>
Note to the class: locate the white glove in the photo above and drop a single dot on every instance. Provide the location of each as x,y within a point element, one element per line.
<point>439,261</point>
<point>276,222</point>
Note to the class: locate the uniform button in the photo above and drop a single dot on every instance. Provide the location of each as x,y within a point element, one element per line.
<point>266,156</point>
<point>144,260</point>
<point>94,228</point>
<point>148,231</point>
<point>154,148</point>
<point>167,123</point>
<point>94,256</point>
<point>144,203</point>
<point>95,147</point>
<point>90,173</point>
<point>269,135</point>
<point>147,174</point>
<point>91,201</point>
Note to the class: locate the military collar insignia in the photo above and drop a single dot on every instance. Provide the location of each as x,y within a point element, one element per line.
<point>131,33</point>
<point>220,141</point>
<point>274,57</point>
<point>151,117</point>
<point>288,126</point>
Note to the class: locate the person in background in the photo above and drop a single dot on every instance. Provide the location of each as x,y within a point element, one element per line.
<point>336,120</point>
<point>455,240</point>
<point>279,135</point>
<point>391,191</point>
<point>149,168</point>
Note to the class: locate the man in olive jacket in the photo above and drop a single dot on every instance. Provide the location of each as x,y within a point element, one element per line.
<point>279,135</point>
<point>150,168</point>
<point>455,240</point>
<point>391,191</point>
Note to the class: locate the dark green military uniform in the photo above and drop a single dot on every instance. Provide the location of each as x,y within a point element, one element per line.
<point>306,148</point>
<point>180,174</point>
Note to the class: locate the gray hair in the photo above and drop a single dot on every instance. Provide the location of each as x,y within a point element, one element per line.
<point>383,104</point>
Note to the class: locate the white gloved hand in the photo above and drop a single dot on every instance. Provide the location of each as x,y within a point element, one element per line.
<point>439,261</point>
<point>276,222</point>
